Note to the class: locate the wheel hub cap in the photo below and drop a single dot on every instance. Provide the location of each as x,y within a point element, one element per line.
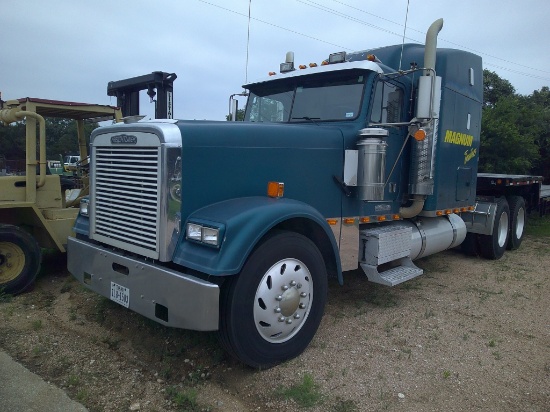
<point>12,261</point>
<point>283,299</point>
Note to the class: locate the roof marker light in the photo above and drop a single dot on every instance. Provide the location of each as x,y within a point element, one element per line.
<point>302,66</point>
<point>312,64</point>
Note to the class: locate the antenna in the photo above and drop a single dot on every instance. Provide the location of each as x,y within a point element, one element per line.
<point>247,42</point>
<point>404,30</point>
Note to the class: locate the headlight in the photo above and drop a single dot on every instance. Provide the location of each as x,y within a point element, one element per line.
<point>84,207</point>
<point>203,234</point>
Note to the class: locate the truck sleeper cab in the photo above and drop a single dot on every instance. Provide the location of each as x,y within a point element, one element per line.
<point>236,226</point>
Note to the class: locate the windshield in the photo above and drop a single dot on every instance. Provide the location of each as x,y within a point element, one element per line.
<point>331,97</point>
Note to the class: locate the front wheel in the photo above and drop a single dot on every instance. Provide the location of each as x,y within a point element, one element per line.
<point>493,246</point>
<point>19,259</point>
<point>270,311</point>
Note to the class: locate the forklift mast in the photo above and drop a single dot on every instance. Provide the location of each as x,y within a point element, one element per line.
<point>127,93</point>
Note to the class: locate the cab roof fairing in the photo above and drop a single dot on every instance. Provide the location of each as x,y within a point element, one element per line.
<point>362,65</point>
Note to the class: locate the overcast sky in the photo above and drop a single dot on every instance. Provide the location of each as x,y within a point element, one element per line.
<point>70,49</point>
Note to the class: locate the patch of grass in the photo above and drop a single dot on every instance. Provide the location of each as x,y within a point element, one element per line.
<point>112,343</point>
<point>381,296</point>
<point>72,314</point>
<point>73,380</point>
<point>185,400</point>
<point>484,294</point>
<point>446,374</point>
<point>82,395</point>
<point>37,351</point>
<point>492,343</point>
<point>197,375</point>
<point>36,324</point>
<point>497,355</point>
<point>306,394</point>
<point>5,297</point>
<point>538,226</point>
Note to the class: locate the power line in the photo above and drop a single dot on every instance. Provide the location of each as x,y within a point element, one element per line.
<point>329,10</point>
<point>354,19</point>
<point>273,25</point>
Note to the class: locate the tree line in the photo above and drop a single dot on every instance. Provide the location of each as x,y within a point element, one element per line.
<point>515,129</point>
<point>61,140</point>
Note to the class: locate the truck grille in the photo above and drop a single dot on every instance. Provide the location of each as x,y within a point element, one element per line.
<point>126,194</point>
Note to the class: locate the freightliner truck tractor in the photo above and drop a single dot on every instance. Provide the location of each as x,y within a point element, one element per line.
<point>351,163</point>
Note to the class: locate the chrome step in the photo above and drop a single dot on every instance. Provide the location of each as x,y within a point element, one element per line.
<point>394,276</point>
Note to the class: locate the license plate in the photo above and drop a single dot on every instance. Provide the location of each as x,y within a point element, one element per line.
<point>120,294</point>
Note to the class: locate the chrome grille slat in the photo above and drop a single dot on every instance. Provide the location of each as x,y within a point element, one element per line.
<point>127,195</point>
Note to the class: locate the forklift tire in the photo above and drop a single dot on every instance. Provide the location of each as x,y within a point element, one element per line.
<point>518,219</point>
<point>493,246</point>
<point>270,312</point>
<point>20,258</point>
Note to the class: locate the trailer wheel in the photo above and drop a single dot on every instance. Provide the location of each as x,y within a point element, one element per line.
<point>19,259</point>
<point>493,246</point>
<point>518,219</point>
<point>270,311</point>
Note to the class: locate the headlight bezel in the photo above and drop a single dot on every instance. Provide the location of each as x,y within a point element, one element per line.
<point>205,234</point>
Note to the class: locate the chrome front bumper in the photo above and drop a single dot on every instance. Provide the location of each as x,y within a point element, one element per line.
<point>166,296</point>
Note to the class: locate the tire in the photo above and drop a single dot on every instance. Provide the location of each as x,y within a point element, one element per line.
<point>518,220</point>
<point>270,311</point>
<point>20,258</point>
<point>470,246</point>
<point>493,246</point>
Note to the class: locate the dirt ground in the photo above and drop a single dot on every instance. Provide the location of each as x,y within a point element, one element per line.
<point>468,335</point>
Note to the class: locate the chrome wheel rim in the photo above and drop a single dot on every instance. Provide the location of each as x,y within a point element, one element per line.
<point>283,300</point>
<point>502,229</point>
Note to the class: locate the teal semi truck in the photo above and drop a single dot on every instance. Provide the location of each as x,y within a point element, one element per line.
<point>351,163</point>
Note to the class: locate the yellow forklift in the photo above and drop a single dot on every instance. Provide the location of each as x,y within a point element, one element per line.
<point>34,210</point>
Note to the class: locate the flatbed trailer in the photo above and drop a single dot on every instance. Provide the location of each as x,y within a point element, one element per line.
<point>536,195</point>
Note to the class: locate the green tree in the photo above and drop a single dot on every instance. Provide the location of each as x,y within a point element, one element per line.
<point>495,88</point>
<point>507,138</point>
<point>61,138</point>
<point>514,128</point>
<point>240,115</point>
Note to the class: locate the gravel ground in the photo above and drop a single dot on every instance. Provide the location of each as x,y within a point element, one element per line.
<point>469,334</point>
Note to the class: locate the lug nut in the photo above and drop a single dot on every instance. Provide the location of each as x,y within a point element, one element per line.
<point>284,287</point>
<point>277,310</point>
<point>302,306</point>
<point>297,316</point>
<point>281,319</point>
<point>303,294</point>
<point>289,321</point>
<point>293,283</point>
<point>279,298</point>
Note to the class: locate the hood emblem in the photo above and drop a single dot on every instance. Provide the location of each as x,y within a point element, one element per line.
<point>124,139</point>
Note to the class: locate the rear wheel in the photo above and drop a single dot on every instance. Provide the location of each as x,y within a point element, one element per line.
<point>493,246</point>
<point>518,219</point>
<point>270,311</point>
<point>19,259</point>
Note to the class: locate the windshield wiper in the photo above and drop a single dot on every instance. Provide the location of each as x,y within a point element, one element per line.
<point>311,119</point>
